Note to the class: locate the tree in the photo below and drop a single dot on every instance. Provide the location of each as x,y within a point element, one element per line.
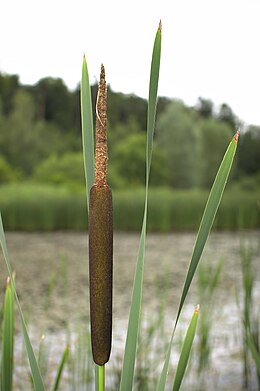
<point>249,151</point>
<point>128,163</point>
<point>54,103</point>
<point>178,137</point>
<point>7,173</point>
<point>215,137</point>
<point>205,107</point>
<point>9,85</point>
<point>24,142</point>
<point>121,107</point>
<point>226,115</point>
<point>15,132</point>
<point>67,168</point>
<point>120,131</point>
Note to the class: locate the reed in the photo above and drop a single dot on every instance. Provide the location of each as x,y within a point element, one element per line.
<point>27,207</point>
<point>208,280</point>
<point>250,318</point>
<point>8,339</point>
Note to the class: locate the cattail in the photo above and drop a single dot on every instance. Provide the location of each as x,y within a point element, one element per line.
<point>101,239</point>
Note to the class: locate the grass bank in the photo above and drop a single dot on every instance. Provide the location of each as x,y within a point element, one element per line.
<point>29,207</point>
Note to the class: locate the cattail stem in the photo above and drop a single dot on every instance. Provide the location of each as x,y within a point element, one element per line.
<point>101,378</point>
<point>101,240</point>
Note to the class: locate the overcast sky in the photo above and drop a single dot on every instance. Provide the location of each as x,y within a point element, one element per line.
<point>210,48</point>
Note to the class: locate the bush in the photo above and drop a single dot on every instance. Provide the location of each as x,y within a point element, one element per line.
<point>67,169</point>
<point>7,173</point>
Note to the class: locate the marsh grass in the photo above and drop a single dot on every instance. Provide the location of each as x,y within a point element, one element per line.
<point>26,207</point>
<point>7,358</point>
<point>153,338</point>
<point>208,281</point>
<point>250,318</point>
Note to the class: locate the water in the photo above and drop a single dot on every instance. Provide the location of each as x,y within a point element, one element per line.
<point>52,281</point>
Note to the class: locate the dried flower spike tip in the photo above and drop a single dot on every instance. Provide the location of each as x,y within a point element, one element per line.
<point>101,154</point>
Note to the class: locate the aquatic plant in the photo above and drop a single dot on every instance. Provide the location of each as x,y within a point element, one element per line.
<point>250,318</point>
<point>101,247</point>
<point>8,338</point>
<point>212,205</point>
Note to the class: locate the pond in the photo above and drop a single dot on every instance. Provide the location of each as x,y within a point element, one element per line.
<point>52,282</point>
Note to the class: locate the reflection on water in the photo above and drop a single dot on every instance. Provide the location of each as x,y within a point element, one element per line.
<point>52,281</point>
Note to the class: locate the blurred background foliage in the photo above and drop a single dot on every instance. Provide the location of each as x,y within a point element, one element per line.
<point>40,139</point>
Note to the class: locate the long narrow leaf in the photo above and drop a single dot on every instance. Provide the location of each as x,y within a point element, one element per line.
<point>152,101</point>
<point>35,371</point>
<point>87,127</point>
<point>254,351</point>
<point>8,339</point>
<point>203,232</point>
<point>135,310</point>
<point>162,381</point>
<point>209,216</point>
<point>60,369</point>
<point>185,351</point>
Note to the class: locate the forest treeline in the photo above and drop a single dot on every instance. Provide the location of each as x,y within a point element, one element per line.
<point>40,138</point>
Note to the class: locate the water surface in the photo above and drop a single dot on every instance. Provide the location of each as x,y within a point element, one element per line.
<point>52,281</point>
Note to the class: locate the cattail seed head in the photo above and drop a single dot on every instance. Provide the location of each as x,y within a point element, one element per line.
<point>101,240</point>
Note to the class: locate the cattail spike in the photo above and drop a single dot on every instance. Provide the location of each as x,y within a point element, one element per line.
<point>101,239</point>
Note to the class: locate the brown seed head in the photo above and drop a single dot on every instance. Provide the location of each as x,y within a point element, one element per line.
<point>101,154</point>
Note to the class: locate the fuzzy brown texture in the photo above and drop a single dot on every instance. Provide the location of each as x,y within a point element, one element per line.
<point>101,154</point>
<point>101,271</point>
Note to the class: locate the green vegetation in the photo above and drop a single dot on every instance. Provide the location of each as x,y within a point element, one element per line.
<point>102,248</point>
<point>152,342</point>
<point>188,143</point>
<point>208,280</point>
<point>49,176</point>
<point>212,205</point>
<point>31,206</point>
<point>250,318</point>
<point>45,118</point>
<point>7,361</point>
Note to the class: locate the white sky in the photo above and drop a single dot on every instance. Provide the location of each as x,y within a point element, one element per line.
<point>210,48</point>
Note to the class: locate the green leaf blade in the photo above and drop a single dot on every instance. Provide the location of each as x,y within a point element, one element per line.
<point>203,232</point>
<point>60,369</point>
<point>135,310</point>
<point>87,128</point>
<point>152,101</point>
<point>8,339</point>
<point>208,217</point>
<point>162,380</point>
<point>185,351</point>
<point>35,371</point>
